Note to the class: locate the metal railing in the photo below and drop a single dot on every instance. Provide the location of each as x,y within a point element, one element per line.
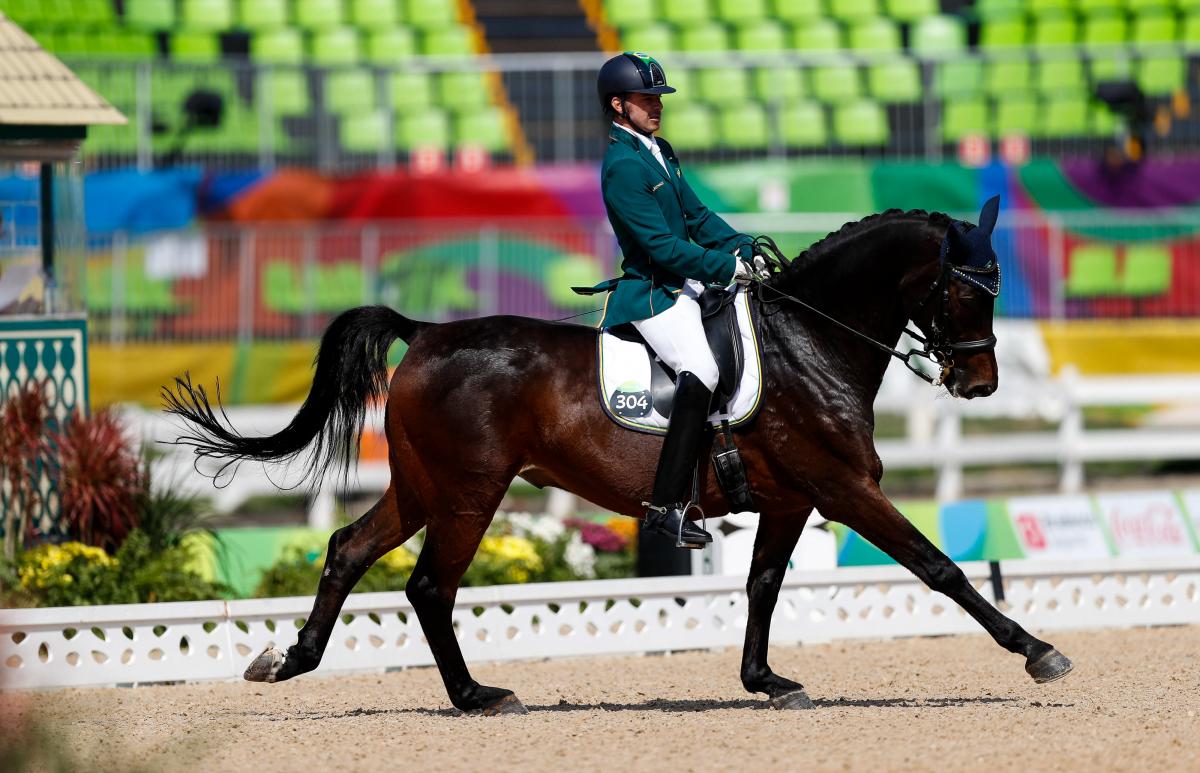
<point>295,115</point>
<point>276,282</point>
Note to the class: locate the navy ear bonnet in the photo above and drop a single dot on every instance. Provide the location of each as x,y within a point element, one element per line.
<point>968,250</point>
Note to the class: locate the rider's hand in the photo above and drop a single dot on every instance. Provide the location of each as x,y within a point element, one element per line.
<point>744,272</point>
<point>761,269</point>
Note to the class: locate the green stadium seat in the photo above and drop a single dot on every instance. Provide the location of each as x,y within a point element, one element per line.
<point>483,129</point>
<point>741,11</point>
<point>999,9</point>
<point>1016,115</point>
<point>1065,116</point>
<point>211,15</point>
<point>374,14</point>
<point>656,38</point>
<point>1050,31</point>
<point>410,89</point>
<point>1137,6</point>
<point>836,82</point>
<point>1191,32</point>
<point>959,78</point>
<point>448,41</point>
<point>853,10</point>
<point>1007,76</point>
<point>319,14</point>
<point>820,35</point>
<point>280,46</point>
<point>707,36</point>
<point>1104,122</point>
<point>125,44</point>
<point>1104,29</point>
<point>1060,75</point>
<point>783,84</point>
<point>744,127</point>
<point>1051,8</point>
<point>802,125</point>
<point>429,14</point>
<point>1147,270</point>
<point>1099,7</point>
<point>623,13</point>
<point>691,127</point>
<point>1002,33</point>
<point>964,117</point>
<point>683,12</point>
<point>335,45</point>
<point>860,124</point>
<point>195,46</point>
<point>282,289</point>
<point>425,129</point>
<point>1107,67</point>
<point>720,85</point>
<point>798,11</point>
<point>150,14</point>
<point>912,10</point>
<point>463,90</point>
<point>1162,75</point>
<point>761,36</point>
<point>349,91</point>
<point>876,34</point>
<point>1153,29</point>
<point>390,46</point>
<point>363,132</point>
<point>894,82</point>
<point>72,42</point>
<point>683,80</point>
<point>287,90</point>
<point>258,15</point>
<point>1092,271</point>
<point>935,36</point>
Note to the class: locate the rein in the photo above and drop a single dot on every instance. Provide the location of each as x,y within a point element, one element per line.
<point>934,348</point>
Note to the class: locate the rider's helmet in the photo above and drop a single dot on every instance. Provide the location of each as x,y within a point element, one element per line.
<point>631,71</point>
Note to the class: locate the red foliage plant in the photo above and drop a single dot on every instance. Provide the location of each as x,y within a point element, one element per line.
<point>100,479</point>
<point>24,447</point>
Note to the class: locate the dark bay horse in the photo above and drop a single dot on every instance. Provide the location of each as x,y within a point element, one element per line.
<point>477,402</point>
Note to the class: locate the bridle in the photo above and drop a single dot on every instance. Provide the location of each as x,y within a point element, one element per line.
<point>936,346</point>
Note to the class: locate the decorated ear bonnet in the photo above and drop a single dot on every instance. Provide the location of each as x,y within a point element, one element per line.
<point>974,260</point>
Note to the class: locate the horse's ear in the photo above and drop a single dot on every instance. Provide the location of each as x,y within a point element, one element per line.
<point>958,247</point>
<point>989,213</point>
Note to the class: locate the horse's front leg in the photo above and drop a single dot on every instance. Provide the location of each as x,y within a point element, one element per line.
<point>773,546</point>
<point>861,505</point>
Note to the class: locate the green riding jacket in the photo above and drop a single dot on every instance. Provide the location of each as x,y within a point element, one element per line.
<point>657,217</point>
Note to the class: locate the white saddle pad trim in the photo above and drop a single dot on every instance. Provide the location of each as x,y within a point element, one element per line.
<point>624,367</point>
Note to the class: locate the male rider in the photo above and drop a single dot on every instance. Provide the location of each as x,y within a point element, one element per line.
<point>673,248</point>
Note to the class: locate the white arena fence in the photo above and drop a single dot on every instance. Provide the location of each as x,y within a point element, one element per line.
<point>152,643</point>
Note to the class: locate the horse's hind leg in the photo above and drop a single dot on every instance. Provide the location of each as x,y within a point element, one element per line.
<point>352,550</point>
<point>774,543</point>
<point>864,508</point>
<point>450,544</point>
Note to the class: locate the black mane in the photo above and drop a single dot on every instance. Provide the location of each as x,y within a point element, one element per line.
<point>835,241</point>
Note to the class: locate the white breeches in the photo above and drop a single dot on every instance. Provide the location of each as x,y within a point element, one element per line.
<point>677,337</point>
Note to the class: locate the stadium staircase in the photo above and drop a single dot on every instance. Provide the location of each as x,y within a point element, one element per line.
<point>519,26</point>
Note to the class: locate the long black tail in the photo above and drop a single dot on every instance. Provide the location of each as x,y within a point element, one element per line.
<point>351,370</point>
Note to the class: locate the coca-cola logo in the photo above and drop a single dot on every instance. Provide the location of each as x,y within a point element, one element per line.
<point>1152,524</point>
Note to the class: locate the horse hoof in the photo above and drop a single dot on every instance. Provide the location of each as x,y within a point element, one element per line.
<point>265,666</point>
<point>796,700</point>
<point>1049,667</point>
<point>509,704</point>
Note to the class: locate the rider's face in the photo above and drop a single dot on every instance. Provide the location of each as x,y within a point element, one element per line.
<point>642,111</point>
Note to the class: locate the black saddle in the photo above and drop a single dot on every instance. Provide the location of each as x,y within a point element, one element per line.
<point>721,329</point>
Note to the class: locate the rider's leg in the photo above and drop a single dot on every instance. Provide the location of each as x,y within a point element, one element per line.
<point>677,337</point>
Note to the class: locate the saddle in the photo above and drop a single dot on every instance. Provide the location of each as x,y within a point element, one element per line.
<point>719,317</point>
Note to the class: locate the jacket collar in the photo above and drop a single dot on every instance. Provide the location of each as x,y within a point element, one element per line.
<point>617,134</point>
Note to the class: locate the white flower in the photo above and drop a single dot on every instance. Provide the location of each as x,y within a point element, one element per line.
<point>543,527</point>
<point>580,556</point>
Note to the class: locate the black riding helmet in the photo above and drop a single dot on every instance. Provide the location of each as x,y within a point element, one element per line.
<point>631,71</point>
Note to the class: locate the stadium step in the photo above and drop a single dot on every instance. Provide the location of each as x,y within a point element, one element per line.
<point>547,25</point>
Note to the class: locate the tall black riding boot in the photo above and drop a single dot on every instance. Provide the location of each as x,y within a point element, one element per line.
<point>676,463</point>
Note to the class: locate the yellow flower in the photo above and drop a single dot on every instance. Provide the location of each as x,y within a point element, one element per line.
<point>626,528</point>
<point>400,560</point>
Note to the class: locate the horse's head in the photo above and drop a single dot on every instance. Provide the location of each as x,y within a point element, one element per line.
<point>958,312</point>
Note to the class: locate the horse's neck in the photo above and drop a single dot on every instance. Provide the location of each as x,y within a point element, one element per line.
<point>870,284</point>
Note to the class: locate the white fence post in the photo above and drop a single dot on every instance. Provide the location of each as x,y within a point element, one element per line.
<point>1070,433</point>
<point>950,471</point>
